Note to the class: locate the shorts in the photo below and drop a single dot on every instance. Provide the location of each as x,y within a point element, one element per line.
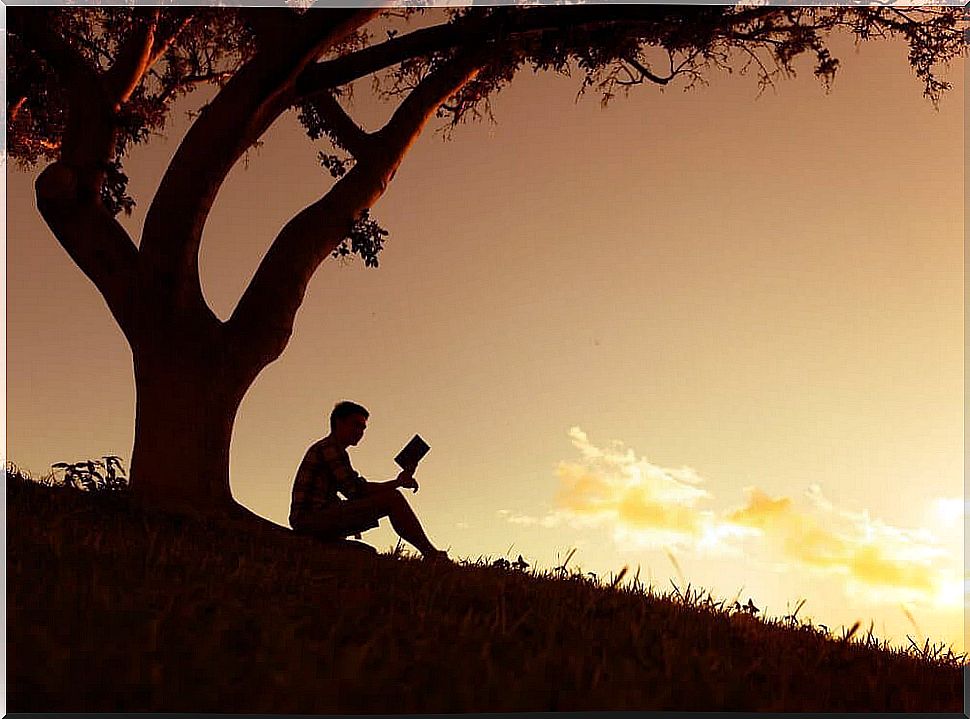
<point>342,518</point>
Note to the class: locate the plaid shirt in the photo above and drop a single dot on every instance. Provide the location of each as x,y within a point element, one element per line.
<point>324,471</point>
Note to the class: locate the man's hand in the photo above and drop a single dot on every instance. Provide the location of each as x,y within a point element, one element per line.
<point>406,480</point>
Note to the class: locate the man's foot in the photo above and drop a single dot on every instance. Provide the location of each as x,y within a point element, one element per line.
<point>351,544</point>
<point>436,555</point>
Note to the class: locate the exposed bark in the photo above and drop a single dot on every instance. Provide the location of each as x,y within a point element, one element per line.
<point>14,105</point>
<point>162,41</point>
<point>133,60</point>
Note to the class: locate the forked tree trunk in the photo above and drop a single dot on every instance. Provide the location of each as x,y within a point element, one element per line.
<point>192,369</point>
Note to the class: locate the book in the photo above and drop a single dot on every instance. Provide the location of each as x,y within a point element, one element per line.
<point>412,453</point>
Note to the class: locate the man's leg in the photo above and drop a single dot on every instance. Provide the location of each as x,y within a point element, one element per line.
<point>403,518</point>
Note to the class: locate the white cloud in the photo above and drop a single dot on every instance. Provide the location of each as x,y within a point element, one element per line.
<point>950,510</point>
<point>647,506</point>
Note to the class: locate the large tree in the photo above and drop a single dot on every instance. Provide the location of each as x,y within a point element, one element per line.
<point>85,83</point>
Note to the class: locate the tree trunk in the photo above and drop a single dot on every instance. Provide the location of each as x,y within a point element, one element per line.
<point>189,383</point>
<point>186,404</point>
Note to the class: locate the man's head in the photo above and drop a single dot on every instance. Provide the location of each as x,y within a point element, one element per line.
<point>348,420</point>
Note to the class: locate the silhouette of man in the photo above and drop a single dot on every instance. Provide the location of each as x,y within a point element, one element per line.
<point>316,509</point>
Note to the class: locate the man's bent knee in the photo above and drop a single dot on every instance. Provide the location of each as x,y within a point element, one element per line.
<point>388,498</point>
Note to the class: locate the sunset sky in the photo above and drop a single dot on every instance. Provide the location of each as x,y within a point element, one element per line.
<point>712,335</point>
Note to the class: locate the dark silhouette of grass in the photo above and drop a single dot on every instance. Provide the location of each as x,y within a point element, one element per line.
<point>113,610</point>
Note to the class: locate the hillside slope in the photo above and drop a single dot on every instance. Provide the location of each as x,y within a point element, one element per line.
<point>111,610</point>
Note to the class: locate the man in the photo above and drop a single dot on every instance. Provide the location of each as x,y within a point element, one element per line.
<point>316,509</point>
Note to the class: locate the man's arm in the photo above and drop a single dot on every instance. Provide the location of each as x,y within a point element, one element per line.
<point>349,483</point>
<point>404,479</point>
<point>389,484</point>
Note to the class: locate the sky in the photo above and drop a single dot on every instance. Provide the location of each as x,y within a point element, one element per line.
<point>710,335</point>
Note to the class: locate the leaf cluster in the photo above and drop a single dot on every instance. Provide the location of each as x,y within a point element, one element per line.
<point>93,475</point>
<point>366,239</point>
<point>207,46</point>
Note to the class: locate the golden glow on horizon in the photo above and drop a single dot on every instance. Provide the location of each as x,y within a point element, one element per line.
<point>654,507</point>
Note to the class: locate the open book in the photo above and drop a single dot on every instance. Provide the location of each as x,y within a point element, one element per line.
<point>412,453</point>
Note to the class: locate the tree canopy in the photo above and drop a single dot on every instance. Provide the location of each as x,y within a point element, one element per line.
<point>146,58</point>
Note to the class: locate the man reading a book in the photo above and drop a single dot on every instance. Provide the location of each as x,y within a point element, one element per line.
<point>325,470</point>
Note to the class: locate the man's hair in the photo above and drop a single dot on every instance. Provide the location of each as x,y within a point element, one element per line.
<point>345,409</point>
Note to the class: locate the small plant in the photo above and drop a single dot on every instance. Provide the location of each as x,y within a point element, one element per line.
<point>503,563</point>
<point>619,577</point>
<point>750,608</point>
<point>562,567</point>
<point>93,475</point>
<point>935,652</point>
<point>15,471</point>
<point>792,619</point>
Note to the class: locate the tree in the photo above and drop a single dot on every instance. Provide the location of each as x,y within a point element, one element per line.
<point>86,83</point>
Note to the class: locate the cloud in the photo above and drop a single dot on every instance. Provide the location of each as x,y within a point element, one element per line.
<point>550,520</point>
<point>648,506</point>
<point>885,562</point>
<point>647,503</point>
<point>950,510</point>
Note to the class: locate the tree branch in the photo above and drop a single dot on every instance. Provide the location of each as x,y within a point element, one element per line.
<point>347,68</point>
<point>649,75</point>
<point>189,80</point>
<point>270,24</point>
<point>163,41</point>
<point>13,106</point>
<point>400,132</point>
<point>131,62</point>
<point>341,127</point>
<point>474,28</point>
<point>68,191</point>
<point>96,242</point>
<point>260,326</point>
<point>248,104</point>
<point>33,25</point>
<point>88,140</point>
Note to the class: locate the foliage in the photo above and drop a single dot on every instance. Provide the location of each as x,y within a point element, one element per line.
<point>93,475</point>
<point>292,626</point>
<point>211,46</point>
<point>366,239</point>
<point>90,475</point>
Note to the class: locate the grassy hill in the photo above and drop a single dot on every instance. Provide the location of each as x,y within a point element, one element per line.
<point>112,610</point>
